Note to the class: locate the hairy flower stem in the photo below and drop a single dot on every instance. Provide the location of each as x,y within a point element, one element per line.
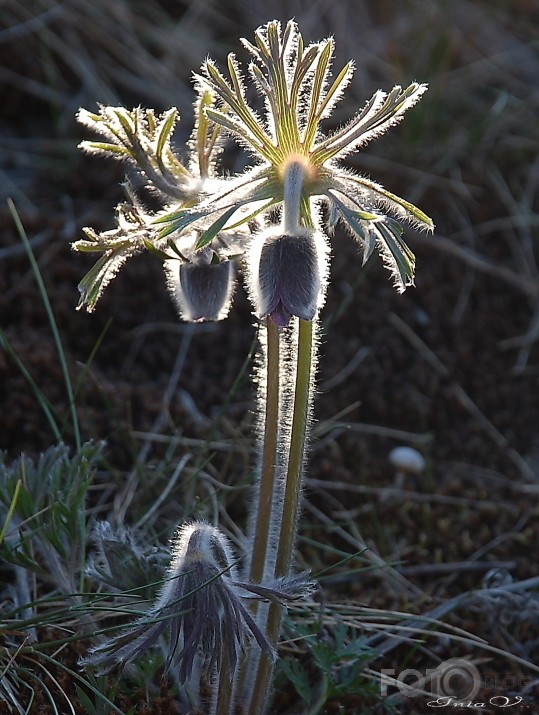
<point>300,423</point>
<point>293,184</point>
<point>291,504</point>
<point>267,483</point>
<point>263,553</point>
<point>224,694</point>
<point>291,406</point>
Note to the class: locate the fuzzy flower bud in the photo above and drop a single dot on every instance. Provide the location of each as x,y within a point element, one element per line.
<point>287,274</point>
<point>200,609</point>
<point>201,288</point>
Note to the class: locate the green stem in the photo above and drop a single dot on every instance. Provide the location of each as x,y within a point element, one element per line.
<point>52,323</point>
<point>259,691</point>
<point>262,561</point>
<point>266,485</point>
<point>298,439</point>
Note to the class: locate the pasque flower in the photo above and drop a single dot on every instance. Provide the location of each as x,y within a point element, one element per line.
<point>294,81</point>
<point>275,217</point>
<point>201,282</point>
<point>288,263</point>
<point>296,168</point>
<point>201,608</point>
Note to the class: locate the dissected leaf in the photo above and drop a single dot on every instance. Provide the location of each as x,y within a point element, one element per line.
<point>93,284</point>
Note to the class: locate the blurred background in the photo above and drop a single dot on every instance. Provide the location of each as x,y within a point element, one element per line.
<point>450,368</point>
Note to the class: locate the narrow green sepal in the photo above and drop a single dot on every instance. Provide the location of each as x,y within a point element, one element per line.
<point>148,245</point>
<point>210,233</point>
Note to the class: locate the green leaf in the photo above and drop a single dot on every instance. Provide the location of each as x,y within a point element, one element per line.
<point>85,700</point>
<point>170,216</point>
<point>179,221</point>
<point>123,117</point>
<point>398,255</point>
<point>86,246</point>
<point>253,214</point>
<point>175,250</point>
<point>105,147</point>
<point>210,233</point>
<point>342,77</point>
<point>409,207</point>
<point>150,118</point>
<point>353,219</point>
<point>219,83</point>
<point>299,678</point>
<point>165,131</point>
<point>317,88</point>
<point>148,245</point>
<point>100,242</point>
<point>90,286</point>
<point>204,144</point>
<point>372,228</point>
<point>257,137</point>
<point>234,76</point>
<point>302,68</point>
<point>237,128</point>
<point>101,274</point>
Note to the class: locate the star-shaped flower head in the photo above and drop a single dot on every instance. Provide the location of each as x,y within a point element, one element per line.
<point>294,81</point>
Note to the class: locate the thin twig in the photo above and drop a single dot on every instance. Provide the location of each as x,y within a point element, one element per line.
<point>520,282</point>
<point>463,399</point>
<point>125,497</point>
<point>394,580</point>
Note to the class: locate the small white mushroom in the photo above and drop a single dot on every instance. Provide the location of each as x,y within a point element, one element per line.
<point>406,460</point>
